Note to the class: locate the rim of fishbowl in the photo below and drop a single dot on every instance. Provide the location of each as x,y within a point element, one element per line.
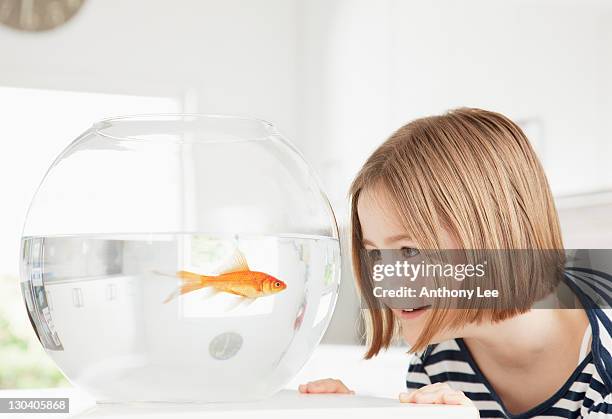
<point>98,126</point>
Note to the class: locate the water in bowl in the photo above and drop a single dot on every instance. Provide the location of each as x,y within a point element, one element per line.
<point>98,305</point>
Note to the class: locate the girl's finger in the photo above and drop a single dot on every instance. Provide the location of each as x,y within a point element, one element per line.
<point>322,386</point>
<point>436,395</point>
<point>406,397</point>
<point>457,398</point>
<point>325,386</point>
<point>409,397</point>
<point>430,397</point>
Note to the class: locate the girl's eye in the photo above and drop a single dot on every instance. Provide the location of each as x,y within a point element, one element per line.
<point>374,254</point>
<point>409,252</point>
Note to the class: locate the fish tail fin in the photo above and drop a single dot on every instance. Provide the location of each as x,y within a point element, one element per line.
<point>189,282</point>
<point>190,277</point>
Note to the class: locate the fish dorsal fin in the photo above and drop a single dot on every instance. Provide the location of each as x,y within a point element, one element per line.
<point>236,263</point>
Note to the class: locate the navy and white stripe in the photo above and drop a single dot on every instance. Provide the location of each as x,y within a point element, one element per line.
<point>587,393</point>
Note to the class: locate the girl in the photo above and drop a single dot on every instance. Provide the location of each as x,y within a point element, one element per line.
<point>470,180</point>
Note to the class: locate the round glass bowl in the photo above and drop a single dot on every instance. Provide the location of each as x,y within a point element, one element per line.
<point>180,258</point>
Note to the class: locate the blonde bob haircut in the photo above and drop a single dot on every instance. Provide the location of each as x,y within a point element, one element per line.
<point>474,174</point>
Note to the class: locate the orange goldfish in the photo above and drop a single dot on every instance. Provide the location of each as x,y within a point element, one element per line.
<point>238,280</point>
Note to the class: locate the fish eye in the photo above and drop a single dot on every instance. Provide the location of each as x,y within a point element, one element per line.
<point>409,252</point>
<point>277,284</point>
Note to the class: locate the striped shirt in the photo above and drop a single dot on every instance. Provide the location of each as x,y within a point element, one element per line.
<point>588,391</point>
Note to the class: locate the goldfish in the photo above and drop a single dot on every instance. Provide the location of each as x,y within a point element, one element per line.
<point>237,279</point>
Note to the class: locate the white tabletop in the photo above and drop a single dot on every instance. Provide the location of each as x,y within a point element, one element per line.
<point>377,383</point>
<point>287,403</point>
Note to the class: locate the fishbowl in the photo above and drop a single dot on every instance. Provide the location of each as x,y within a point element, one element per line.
<point>180,258</point>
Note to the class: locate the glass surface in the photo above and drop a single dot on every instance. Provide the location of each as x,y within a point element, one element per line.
<point>134,202</point>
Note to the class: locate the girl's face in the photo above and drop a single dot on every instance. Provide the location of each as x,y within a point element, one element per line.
<point>381,229</point>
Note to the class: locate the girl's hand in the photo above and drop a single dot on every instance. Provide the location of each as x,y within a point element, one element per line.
<point>326,386</point>
<point>438,393</point>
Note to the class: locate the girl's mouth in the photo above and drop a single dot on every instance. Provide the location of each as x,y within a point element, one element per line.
<point>411,313</point>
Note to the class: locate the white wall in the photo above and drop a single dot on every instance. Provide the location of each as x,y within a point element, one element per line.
<point>389,61</point>
<point>548,60</point>
<point>230,56</point>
